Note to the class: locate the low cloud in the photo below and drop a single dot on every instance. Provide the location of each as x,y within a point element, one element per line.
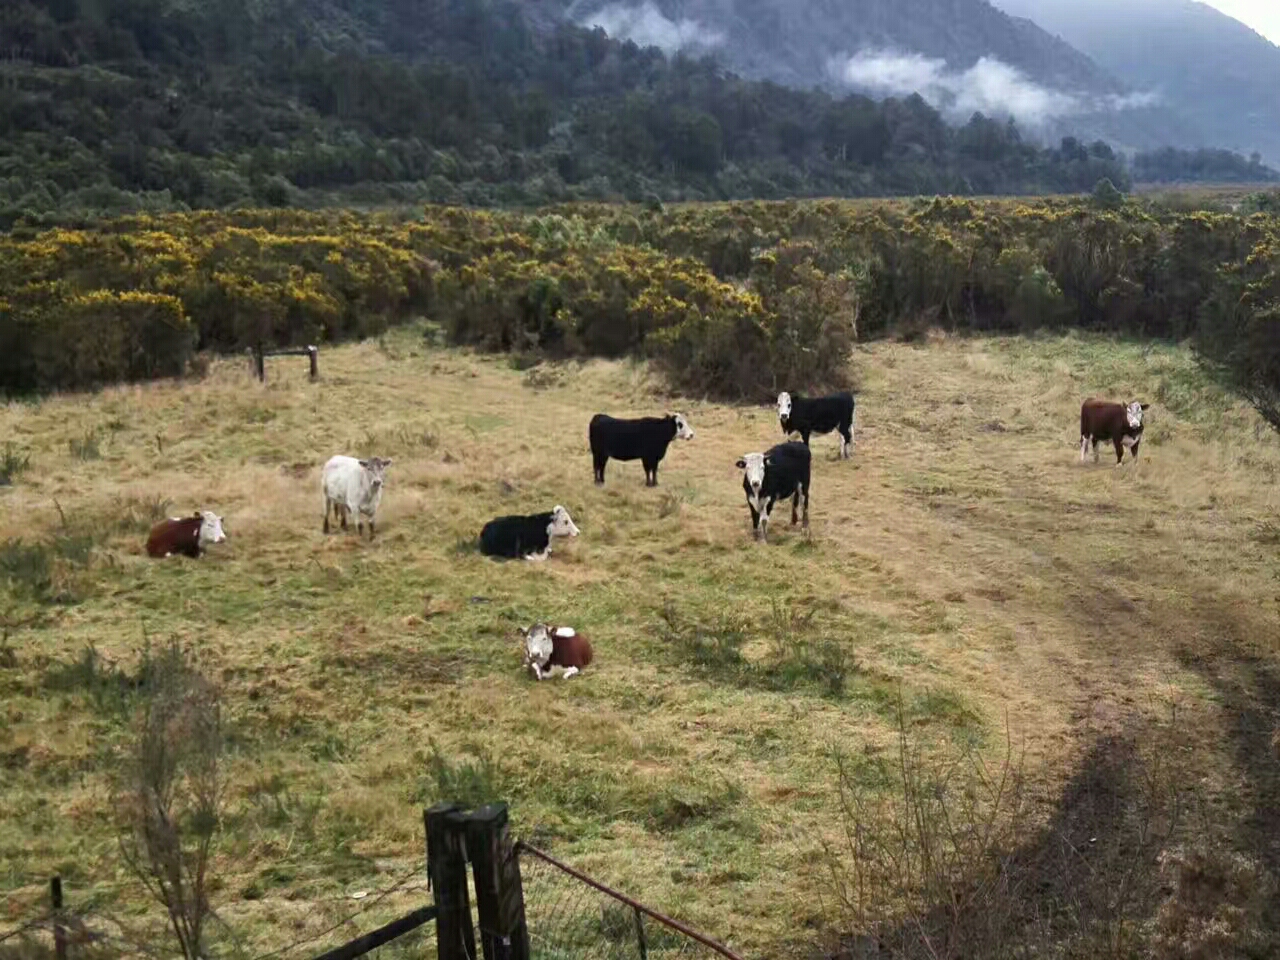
<point>646,26</point>
<point>990,86</point>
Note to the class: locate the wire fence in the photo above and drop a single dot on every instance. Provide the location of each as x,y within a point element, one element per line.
<point>568,915</point>
<point>571,915</point>
<point>91,932</point>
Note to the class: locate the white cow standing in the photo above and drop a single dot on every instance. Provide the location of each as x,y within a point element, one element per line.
<point>353,486</point>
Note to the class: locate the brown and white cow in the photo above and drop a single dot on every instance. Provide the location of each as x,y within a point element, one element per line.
<point>549,646</point>
<point>1121,423</point>
<point>185,535</point>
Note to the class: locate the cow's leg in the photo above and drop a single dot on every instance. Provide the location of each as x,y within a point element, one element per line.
<point>804,436</point>
<point>327,504</point>
<point>805,524</point>
<point>755,521</point>
<point>1084,446</point>
<point>1095,449</point>
<point>598,461</point>
<point>650,473</point>
<point>537,671</point>
<point>370,527</point>
<point>846,443</point>
<point>1133,451</point>
<point>568,672</point>
<point>764,520</point>
<point>540,555</point>
<point>795,506</point>
<point>1119,445</point>
<point>345,513</point>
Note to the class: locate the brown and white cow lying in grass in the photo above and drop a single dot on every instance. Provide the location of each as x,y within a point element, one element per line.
<point>546,647</point>
<point>186,535</point>
<point>1121,423</point>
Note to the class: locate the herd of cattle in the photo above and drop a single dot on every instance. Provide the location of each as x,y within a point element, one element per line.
<point>353,488</point>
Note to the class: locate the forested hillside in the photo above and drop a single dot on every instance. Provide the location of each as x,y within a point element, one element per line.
<point>961,55</point>
<point>151,105</point>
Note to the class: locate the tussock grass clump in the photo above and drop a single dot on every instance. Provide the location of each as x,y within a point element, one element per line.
<point>13,462</point>
<point>88,446</point>
<point>798,654</point>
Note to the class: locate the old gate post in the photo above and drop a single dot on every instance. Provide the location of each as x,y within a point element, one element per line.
<point>447,870</point>
<point>504,933</point>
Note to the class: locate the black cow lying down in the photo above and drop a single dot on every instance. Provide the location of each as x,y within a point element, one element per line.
<point>778,473</point>
<point>526,536</point>
<point>644,439</point>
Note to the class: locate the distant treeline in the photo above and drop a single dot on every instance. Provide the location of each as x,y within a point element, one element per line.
<point>730,300</point>
<point>1200,166</point>
<point>119,106</point>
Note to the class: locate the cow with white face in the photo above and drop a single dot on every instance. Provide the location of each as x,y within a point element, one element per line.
<point>1121,423</point>
<point>546,647</point>
<point>352,486</point>
<point>806,415</point>
<point>641,438</point>
<point>526,536</point>
<point>780,472</point>
<point>188,536</point>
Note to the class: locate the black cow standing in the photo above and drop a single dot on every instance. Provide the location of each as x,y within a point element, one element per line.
<point>644,439</point>
<point>806,415</point>
<point>778,473</point>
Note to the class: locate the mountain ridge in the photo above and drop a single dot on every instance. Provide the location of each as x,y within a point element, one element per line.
<point>968,52</point>
<point>1218,72</point>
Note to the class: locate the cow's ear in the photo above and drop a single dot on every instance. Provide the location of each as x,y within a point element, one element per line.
<point>741,464</point>
<point>387,462</point>
<point>1145,405</point>
<point>364,463</point>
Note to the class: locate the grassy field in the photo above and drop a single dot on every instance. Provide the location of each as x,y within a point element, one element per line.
<point>963,563</point>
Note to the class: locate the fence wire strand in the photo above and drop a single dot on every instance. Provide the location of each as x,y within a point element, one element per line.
<point>570,920</point>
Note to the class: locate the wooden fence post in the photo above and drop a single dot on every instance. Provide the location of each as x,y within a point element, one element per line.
<point>447,870</point>
<point>59,931</point>
<point>504,933</point>
<point>313,354</point>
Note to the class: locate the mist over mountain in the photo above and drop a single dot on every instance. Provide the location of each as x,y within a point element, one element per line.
<point>1211,69</point>
<point>962,56</point>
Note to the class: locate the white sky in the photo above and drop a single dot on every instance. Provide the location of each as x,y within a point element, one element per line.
<point>1262,15</point>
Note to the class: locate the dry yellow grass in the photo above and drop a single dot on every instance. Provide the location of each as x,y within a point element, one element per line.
<point>963,557</point>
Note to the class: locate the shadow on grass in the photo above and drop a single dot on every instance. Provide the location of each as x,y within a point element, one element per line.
<point>1136,860</point>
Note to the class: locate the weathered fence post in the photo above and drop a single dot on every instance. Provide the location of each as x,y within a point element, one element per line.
<point>504,934</point>
<point>447,870</point>
<point>260,363</point>
<point>59,931</point>
<point>641,941</point>
<point>313,354</point>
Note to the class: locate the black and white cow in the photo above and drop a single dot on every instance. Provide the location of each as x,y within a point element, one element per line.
<point>778,473</point>
<point>1104,420</point>
<point>526,536</point>
<point>806,415</point>
<point>643,438</point>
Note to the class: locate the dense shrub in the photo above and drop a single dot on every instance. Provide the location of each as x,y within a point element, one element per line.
<point>730,300</point>
<point>50,339</point>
